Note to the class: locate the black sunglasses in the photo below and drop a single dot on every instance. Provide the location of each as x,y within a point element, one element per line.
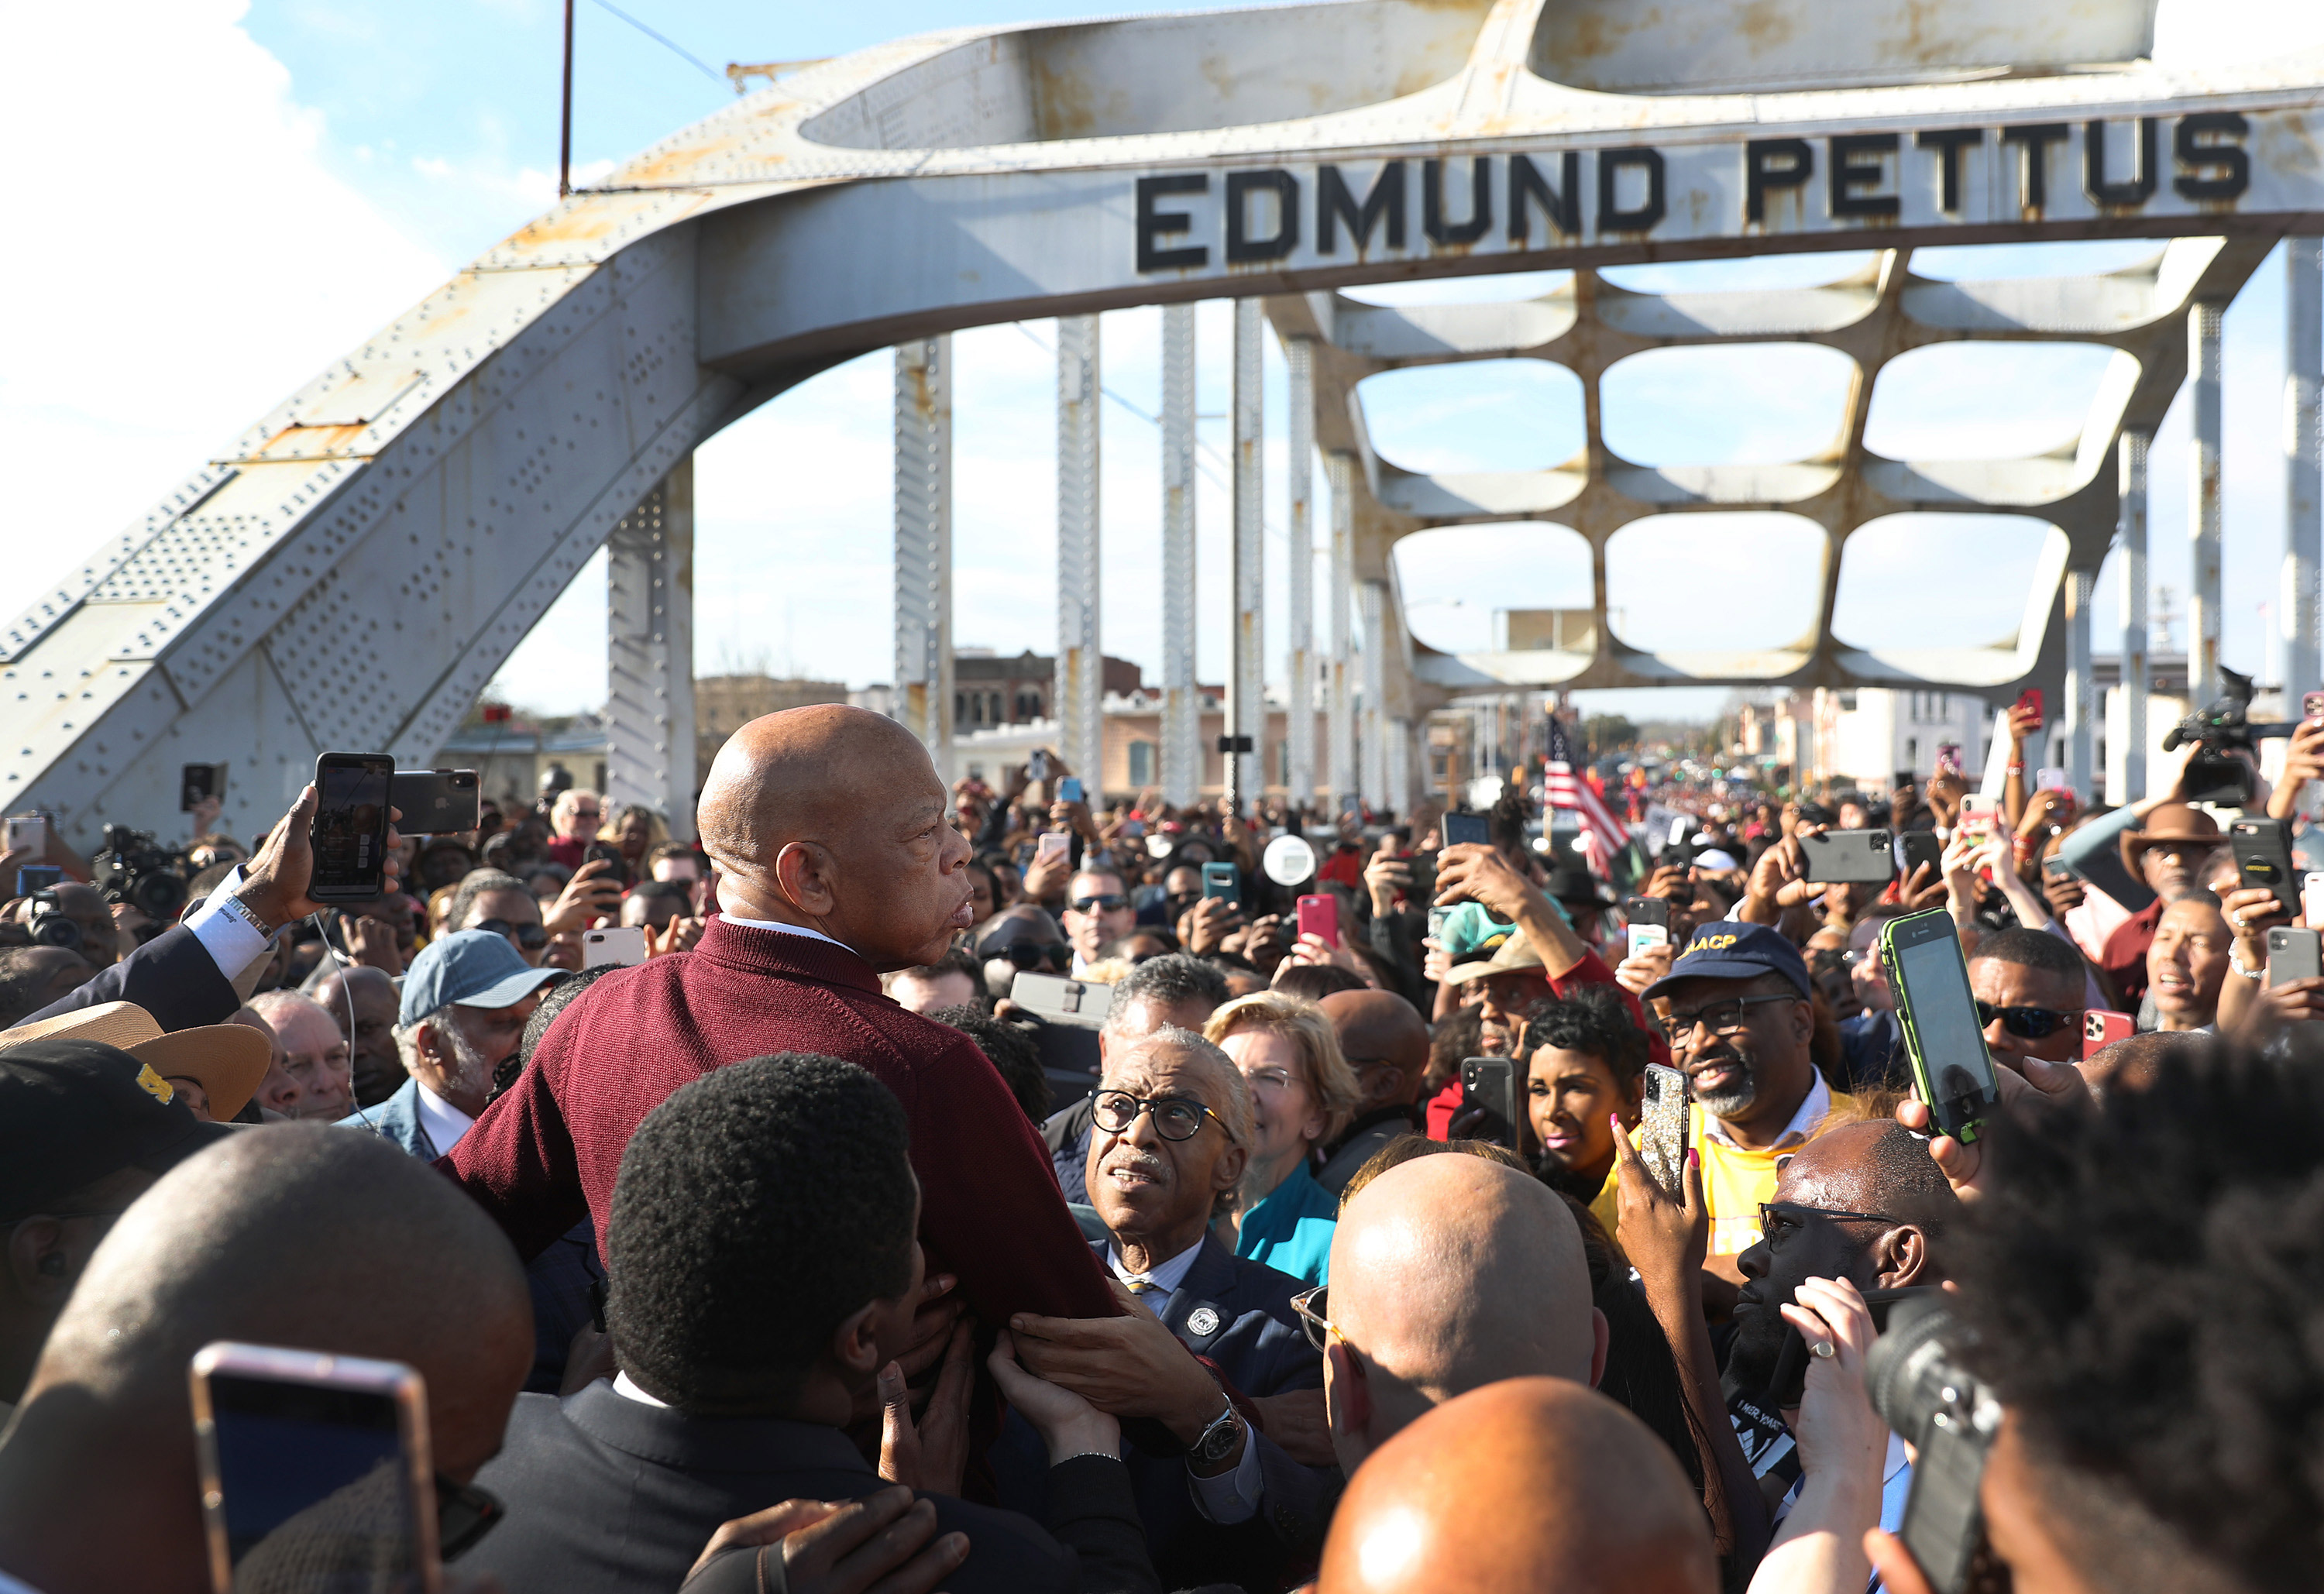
<point>1036,954</point>
<point>2028,1023</point>
<point>1112,901</point>
<point>531,937</point>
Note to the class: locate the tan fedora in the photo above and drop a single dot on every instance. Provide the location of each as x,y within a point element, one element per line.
<point>226,1060</point>
<point>1510,956</point>
<point>2173,822</point>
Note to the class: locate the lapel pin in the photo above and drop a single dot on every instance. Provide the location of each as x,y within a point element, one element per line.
<point>1202,1323</point>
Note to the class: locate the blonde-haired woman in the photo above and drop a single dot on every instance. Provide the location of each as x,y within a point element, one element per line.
<point>1302,1095</point>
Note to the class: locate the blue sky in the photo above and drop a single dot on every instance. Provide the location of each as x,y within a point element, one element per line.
<point>278,177</point>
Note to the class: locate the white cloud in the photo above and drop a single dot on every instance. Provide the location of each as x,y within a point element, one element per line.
<point>194,261</point>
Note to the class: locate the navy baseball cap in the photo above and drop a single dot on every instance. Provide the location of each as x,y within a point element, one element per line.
<point>468,969</point>
<point>1729,949</point>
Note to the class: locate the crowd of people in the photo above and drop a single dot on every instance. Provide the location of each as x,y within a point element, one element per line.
<point>977,1188</point>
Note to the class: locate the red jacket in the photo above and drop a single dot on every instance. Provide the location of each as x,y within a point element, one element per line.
<point>545,1153</point>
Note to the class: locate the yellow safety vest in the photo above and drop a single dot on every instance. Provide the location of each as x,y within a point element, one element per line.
<point>1734,1180</point>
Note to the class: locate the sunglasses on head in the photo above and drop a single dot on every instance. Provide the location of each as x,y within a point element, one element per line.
<point>531,937</point>
<point>1036,954</point>
<point>2028,1023</point>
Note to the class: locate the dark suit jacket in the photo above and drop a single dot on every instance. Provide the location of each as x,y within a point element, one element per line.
<point>561,1278</point>
<point>544,1155</point>
<point>606,1495</point>
<point>1251,1335</point>
<point>172,977</point>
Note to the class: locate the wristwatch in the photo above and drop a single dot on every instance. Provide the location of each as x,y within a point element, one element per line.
<point>1216,1443</point>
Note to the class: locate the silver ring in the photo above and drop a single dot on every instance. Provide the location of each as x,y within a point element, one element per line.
<point>1825,1349</point>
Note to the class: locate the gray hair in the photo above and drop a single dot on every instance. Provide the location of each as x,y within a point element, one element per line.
<point>1236,1114</point>
<point>407,1036</point>
<point>1166,982</point>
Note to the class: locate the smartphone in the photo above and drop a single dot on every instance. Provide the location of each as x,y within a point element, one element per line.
<point>1036,768</point>
<point>1949,757</point>
<point>2263,854</point>
<point>1462,829</point>
<point>198,782</point>
<point>2311,900</point>
<point>1438,917</point>
<point>28,833</point>
<point>1645,935</point>
<point>1647,910</point>
<point>1222,879</point>
<point>2294,953</point>
<point>315,1471</point>
<point>2311,706</point>
<point>2102,1028</point>
<point>1845,857</point>
<point>437,802</point>
<point>1917,847</point>
<point>1320,916</point>
<point>2031,699</point>
<point>2056,868</point>
<point>624,946</point>
<point>1952,1070</point>
<point>352,793</point>
<point>1069,789</point>
<point>1051,844</point>
<point>1490,1082</point>
<point>1663,1127</point>
<point>37,877</point>
<point>1977,817</point>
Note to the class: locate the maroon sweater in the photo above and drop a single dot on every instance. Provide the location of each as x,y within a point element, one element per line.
<point>545,1154</point>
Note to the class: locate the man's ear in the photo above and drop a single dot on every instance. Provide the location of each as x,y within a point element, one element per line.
<point>1227,1172</point>
<point>803,878</point>
<point>1600,1335</point>
<point>1803,1020</point>
<point>1899,1258</point>
<point>855,1342</point>
<point>1346,1394</point>
<point>40,1265</point>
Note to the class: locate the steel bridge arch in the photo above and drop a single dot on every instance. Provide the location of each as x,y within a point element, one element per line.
<point>350,569</point>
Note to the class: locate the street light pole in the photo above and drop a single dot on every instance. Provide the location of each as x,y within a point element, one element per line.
<point>565,122</point>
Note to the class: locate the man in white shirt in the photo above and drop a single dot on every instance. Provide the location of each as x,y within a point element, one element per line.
<point>466,999</point>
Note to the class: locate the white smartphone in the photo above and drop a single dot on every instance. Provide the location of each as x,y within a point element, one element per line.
<point>624,946</point>
<point>1647,935</point>
<point>29,832</point>
<point>315,1471</point>
<point>2311,900</point>
<point>1050,844</point>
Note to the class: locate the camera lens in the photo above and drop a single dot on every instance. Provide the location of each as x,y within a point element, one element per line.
<point>159,894</point>
<point>54,929</point>
<point>1908,1368</point>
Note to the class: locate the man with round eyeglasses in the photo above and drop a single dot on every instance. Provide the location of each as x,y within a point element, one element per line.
<point>1737,1011</point>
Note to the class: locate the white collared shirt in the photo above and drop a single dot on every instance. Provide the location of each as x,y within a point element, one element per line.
<point>230,939</point>
<point>444,1122</point>
<point>1815,1107</point>
<point>1165,1279</point>
<point>768,923</point>
<point>628,1390</point>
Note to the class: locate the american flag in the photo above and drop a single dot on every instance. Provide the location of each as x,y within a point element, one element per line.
<point>1602,837</point>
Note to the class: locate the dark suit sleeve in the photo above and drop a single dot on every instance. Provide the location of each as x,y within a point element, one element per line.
<point>519,1161</point>
<point>741,1569</point>
<point>1093,1512</point>
<point>990,1208</point>
<point>172,977</point>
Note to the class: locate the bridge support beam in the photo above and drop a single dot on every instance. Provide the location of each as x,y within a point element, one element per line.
<point>922,700</point>
<point>650,654</point>
<point>1371,607</point>
<point>1245,778</point>
<point>2302,621</point>
<point>2203,318</point>
<point>2081,681</point>
<point>1339,470</point>
<point>1080,690</point>
<point>2130,452</point>
<point>1299,696</point>
<point>1182,704</point>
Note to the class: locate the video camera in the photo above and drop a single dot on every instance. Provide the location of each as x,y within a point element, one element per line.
<point>135,868</point>
<point>2219,730</point>
<point>1951,1420</point>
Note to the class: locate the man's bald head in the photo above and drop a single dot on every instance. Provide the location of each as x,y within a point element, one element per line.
<point>2130,1063</point>
<point>1531,1484</point>
<point>832,818</point>
<point>296,1234</point>
<point>1384,1040</point>
<point>1449,1273</point>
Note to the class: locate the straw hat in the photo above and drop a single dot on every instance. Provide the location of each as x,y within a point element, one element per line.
<point>226,1060</point>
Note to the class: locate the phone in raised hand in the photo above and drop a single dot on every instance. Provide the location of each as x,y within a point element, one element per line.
<point>1320,916</point>
<point>352,794</point>
<point>1927,975</point>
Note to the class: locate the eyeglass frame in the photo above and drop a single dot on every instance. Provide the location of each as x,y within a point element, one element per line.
<point>1028,955</point>
<point>1148,1105</point>
<point>1105,901</point>
<point>2065,1018</point>
<point>1835,1214</point>
<point>1673,1026</point>
<point>1309,1305</point>
<point>500,927</point>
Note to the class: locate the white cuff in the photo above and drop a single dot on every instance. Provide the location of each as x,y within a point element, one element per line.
<point>1232,1497</point>
<point>231,940</point>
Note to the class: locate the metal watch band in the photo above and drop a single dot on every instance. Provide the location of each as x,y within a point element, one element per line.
<point>243,910</point>
<point>1207,1445</point>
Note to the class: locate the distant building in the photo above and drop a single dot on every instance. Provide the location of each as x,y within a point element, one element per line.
<point>512,756</point>
<point>992,690</point>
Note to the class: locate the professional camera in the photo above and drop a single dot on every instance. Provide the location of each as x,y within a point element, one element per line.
<point>2219,730</point>
<point>1951,1421</point>
<point>135,868</point>
<point>48,925</point>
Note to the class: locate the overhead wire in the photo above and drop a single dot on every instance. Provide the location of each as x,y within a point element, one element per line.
<point>668,43</point>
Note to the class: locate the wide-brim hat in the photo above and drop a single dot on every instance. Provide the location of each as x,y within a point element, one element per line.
<point>1513,955</point>
<point>2173,822</point>
<point>226,1060</point>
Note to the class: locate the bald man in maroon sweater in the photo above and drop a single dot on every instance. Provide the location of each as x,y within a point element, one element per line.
<point>835,863</point>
